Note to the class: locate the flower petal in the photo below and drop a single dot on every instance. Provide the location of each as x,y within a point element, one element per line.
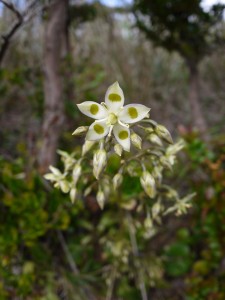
<point>114,98</point>
<point>133,113</point>
<point>93,110</point>
<point>97,131</point>
<point>122,135</point>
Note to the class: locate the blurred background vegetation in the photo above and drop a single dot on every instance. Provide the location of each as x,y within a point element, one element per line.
<point>166,54</point>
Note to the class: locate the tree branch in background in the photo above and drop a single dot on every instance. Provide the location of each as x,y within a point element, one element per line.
<point>54,40</point>
<point>22,17</point>
<point>6,37</point>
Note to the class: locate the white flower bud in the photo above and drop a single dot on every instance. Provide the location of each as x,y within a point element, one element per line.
<point>163,133</point>
<point>153,138</point>
<point>165,163</point>
<point>106,186</point>
<point>148,184</point>
<point>148,223</point>
<point>64,185</point>
<point>87,146</point>
<point>129,205</point>
<point>73,194</point>
<point>173,149</point>
<point>118,149</point>
<point>87,191</point>
<point>157,174</point>
<point>117,180</point>
<point>99,162</point>
<point>171,159</point>
<point>76,173</point>
<point>80,130</point>
<point>148,129</point>
<point>136,140</point>
<point>100,198</point>
<point>156,208</point>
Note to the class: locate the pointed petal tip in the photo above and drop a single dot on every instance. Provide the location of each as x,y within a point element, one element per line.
<point>116,83</point>
<point>126,149</point>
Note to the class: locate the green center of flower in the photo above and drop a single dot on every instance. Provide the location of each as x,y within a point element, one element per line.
<point>114,97</point>
<point>123,135</point>
<point>94,109</point>
<point>112,119</point>
<point>98,129</point>
<point>133,113</point>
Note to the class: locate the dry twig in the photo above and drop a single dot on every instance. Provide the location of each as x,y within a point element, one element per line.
<point>22,17</point>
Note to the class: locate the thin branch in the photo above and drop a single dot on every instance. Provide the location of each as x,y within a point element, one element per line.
<point>135,251</point>
<point>86,291</point>
<point>69,257</point>
<point>6,38</point>
<point>22,17</point>
<point>109,294</point>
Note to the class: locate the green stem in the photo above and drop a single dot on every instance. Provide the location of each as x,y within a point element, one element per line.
<point>135,251</point>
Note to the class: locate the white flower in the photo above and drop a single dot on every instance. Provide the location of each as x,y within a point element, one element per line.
<point>113,116</point>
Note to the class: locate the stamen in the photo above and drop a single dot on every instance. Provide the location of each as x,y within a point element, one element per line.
<point>110,130</point>
<point>112,119</point>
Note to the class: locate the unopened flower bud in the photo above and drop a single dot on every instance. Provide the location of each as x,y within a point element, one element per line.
<point>80,130</point>
<point>129,205</point>
<point>157,173</point>
<point>148,184</point>
<point>148,222</point>
<point>117,180</point>
<point>171,159</point>
<point>105,182</point>
<point>136,140</point>
<point>156,208</point>
<point>99,162</point>
<point>73,194</point>
<point>153,138</point>
<point>118,149</point>
<point>87,147</point>
<point>173,149</point>
<point>87,191</point>
<point>76,173</point>
<point>165,163</point>
<point>100,198</point>
<point>64,185</point>
<point>148,129</point>
<point>163,133</point>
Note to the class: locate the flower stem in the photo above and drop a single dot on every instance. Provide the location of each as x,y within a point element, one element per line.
<point>135,251</point>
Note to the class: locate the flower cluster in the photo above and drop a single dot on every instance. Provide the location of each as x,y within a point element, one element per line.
<point>108,138</point>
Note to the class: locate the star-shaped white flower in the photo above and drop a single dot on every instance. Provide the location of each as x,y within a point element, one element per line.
<point>112,116</point>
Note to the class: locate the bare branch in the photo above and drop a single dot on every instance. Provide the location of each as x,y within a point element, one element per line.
<point>87,292</point>
<point>21,18</point>
<point>6,37</point>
